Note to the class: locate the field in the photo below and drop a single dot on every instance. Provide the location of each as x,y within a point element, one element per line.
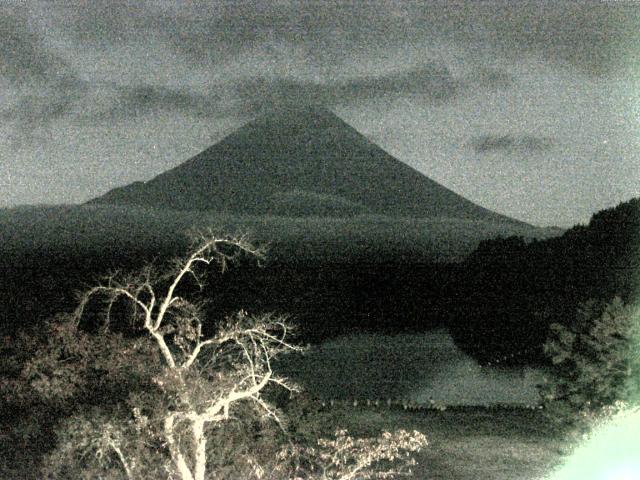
<point>464,444</point>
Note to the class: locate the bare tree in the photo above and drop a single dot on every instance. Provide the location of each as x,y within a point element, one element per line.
<point>195,398</point>
<point>184,380</point>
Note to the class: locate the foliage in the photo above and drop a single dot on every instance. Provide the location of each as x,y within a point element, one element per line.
<point>511,290</point>
<point>153,390</point>
<point>594,363</point>
<point>609,450</point>
<point>346,458</point>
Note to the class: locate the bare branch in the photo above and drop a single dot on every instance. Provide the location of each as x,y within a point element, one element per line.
<point>241,350</point>
<point>113,293</point>
<point>207,252</point>
<point>123,460</point>
<point>234,396</point>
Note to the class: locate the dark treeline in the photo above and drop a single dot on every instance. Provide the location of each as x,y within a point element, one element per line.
<point>324,299</point>
<point>330,299</point>
<point>512,290</point>
<point>41,282</point>
<point>498,302</point>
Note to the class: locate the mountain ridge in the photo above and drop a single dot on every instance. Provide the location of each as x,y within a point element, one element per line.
<point>309,152</point>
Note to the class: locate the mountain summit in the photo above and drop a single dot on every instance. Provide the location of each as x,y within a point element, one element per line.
<point>299,162</point>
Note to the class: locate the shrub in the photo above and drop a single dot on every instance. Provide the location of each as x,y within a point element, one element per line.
<point>594,362</point>
<point>176,397</point>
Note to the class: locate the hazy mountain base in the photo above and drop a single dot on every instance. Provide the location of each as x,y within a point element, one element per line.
<point>48,252</point>
<point>337,275</point>
<point>301,239</point>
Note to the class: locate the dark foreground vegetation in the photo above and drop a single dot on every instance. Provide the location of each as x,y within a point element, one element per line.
<point>335,276</point>
<point>137,383</point>
<point>542,302</point>
<point>513,290</point>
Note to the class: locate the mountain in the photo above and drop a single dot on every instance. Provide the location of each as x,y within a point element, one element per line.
<point>299,162</point>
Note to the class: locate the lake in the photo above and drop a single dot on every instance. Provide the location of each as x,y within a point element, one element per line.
<point>419,368</point>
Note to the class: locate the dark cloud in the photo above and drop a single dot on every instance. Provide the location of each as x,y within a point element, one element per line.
<point>591,35</point>
<point>209,32</point>
<point>594,36</point>
<point>106,22</point>
<point>523,143</point>
<point>255,95</point>
<point>431,81</point>
<point>489,78</point>
<point>43,107</point>
<point>285,41</point>
<point>23,58</point>
<point>68,100</point>
<point>138,100</point>
<point>47,88</point>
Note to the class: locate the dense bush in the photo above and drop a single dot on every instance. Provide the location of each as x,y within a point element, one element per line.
<point>511,290</point>
<point>163,393</point>
<point>594,361</point>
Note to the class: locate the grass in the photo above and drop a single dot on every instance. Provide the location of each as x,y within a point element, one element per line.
<point>473,444</point>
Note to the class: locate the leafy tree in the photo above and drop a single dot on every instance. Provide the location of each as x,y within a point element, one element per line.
<point>594,362</point>
<point>171,396</point>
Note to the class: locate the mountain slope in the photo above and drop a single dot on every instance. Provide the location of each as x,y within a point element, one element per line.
<point>309,156</point>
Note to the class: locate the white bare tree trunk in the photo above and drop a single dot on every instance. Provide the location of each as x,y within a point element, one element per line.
<point>174,449</point>
<point>200,441</point>
<point>256,343</point>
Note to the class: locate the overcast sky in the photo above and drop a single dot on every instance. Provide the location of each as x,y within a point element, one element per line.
<point>529,109</point>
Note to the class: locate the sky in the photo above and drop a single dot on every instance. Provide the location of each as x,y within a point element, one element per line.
<point>530,109</point>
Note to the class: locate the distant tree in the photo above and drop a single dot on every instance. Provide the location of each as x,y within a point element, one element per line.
<point>174,397</point>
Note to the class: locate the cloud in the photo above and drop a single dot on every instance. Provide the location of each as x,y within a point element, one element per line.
<point>41,107</point>
<point>523,143</point>
<point>431,81</point>
<point>592,36</point>
<point>43,86</point>
<point>489,78</point>
<point>595,37</point>
<point>211,58</point>
<point>589,35</point>
<point>138,100</point>
<point>255,95</point>
<point>23,58</point>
